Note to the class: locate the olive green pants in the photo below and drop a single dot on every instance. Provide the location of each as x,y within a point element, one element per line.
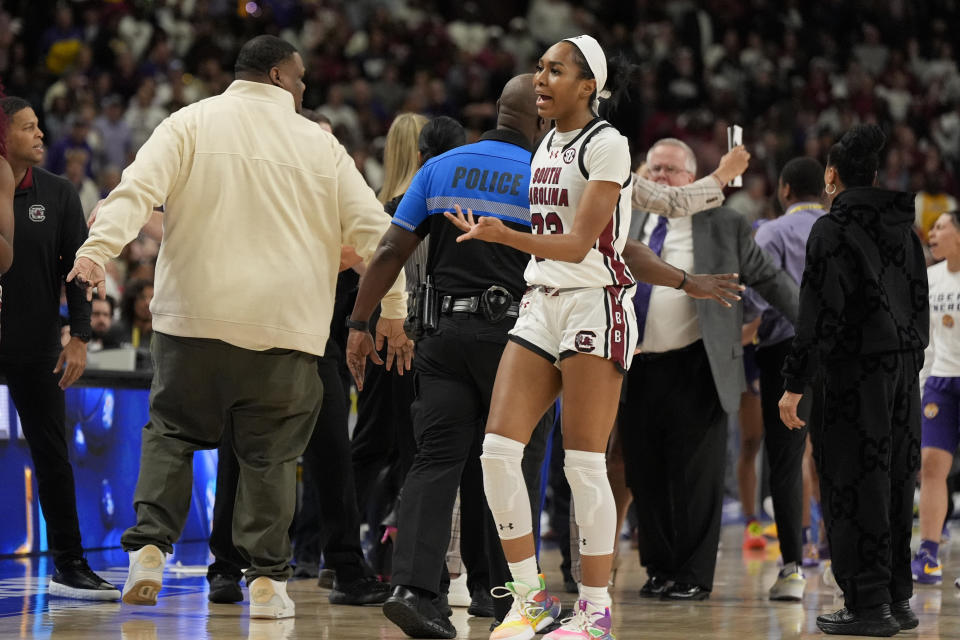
<point>271,400</point>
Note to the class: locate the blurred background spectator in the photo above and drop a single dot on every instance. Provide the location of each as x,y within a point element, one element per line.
<point>793,73</point>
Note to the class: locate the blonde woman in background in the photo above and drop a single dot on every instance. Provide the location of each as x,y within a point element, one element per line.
<point>401,156</point>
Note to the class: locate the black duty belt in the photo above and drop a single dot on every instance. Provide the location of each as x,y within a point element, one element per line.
<point>472,305</point>
<point>496,303</point>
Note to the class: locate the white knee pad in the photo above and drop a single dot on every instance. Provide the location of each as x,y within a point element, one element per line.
<point>596,513</point>
<point>505,487</point>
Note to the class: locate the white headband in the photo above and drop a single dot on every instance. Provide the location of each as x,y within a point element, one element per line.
<point>597,62</point>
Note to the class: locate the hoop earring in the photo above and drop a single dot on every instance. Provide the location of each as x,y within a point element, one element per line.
<point>829,191</point>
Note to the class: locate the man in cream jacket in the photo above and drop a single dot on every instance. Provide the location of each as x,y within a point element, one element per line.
<point>258,201</point>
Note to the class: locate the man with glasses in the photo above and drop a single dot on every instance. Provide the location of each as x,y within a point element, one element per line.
<point>685,379</point>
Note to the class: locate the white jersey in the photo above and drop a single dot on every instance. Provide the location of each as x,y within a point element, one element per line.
<point>942,357</point>
<point>559,171</point>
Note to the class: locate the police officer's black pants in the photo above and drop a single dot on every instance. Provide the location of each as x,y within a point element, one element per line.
<point>329,520</point>
<point>868,454</point>
<point>40,404</point>
<point>674,432</point>
<point>455,370</point>
<point>784,448</point>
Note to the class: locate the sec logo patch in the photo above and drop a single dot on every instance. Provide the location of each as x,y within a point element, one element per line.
<point>585,342</point>
<point>948,321</point>
<point>569,155</point>
<point>931,410</point>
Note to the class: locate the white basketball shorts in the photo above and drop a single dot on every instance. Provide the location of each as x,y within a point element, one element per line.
<point>558,323</point>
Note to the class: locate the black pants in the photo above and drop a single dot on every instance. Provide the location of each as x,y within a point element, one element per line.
<point>40,403</point>
<point>674,435</point>
<point>784,449</point>
<point>382,439</point>
<point>329,520</point>
<point>455,370</point>
<point>868,454</point>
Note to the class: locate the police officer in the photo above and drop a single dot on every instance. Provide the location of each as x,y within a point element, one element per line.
<point>469,308</point>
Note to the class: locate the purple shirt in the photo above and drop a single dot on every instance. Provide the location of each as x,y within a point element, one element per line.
<point>785,239</point>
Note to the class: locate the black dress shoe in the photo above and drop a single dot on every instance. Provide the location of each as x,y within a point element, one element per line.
<point>413,611</point>
<point>224,589</point>
<point>325,578</point>
<point>481,603</point>
<point>875,621</point>
<point>306,570</point>
<point>442,605</point>
<point>75,579</point>
<point>684,591</point>
<point>365,590</point>
<point>653,587</point>
<point>904,615</point>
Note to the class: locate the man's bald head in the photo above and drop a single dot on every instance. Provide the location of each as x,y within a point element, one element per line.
<point>517,106</point>
<point>518,95</point>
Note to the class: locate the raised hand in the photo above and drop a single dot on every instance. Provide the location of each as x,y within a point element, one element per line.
<point>485,228</point>
<point>732,164</point>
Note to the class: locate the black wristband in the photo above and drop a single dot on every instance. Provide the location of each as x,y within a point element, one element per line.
<point>82,337</point>
<point>356,324</point>
<point>682,282</point>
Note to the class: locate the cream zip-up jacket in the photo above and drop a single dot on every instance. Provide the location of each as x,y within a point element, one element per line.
<point>258,201</point>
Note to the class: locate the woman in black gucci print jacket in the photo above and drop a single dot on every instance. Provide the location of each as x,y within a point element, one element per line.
<point>863,324</point>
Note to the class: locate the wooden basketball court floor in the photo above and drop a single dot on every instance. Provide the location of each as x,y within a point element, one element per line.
<point>737,609</point>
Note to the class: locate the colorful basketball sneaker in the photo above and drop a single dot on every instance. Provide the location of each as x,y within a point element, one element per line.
<point>533,610</point>
<point>925,568</point>
<point>811,555</point>
<point>589,622</point>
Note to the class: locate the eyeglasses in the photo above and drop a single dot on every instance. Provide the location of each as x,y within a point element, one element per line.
<point>666,168</point>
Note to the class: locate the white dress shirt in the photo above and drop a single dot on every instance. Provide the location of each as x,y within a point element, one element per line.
<point>672,317</point>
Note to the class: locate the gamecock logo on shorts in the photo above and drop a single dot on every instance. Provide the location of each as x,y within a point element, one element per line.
<point>931,410</point>
<point>585,342</point>
<point>569,155</point>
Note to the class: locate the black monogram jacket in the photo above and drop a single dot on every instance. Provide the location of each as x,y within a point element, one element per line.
<point>864,288</point>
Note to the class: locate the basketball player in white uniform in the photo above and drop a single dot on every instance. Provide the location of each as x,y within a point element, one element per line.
<point>576,333</point>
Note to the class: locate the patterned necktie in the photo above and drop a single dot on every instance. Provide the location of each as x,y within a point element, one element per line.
<point>641,297</point>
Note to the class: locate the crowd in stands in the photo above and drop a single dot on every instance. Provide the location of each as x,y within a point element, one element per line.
<point>794,74</point>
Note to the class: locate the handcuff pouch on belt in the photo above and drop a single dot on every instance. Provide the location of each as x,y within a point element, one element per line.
<point>495,302</point>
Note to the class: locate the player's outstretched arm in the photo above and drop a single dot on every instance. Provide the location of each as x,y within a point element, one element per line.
<point>647,266</point>
<point>596,208</point>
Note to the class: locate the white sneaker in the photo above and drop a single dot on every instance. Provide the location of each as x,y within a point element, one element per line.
<point>829,580</point>
<point>145,577</point>
<point>459,594</point>
<point>789,585</point>
<point>269,599</point>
